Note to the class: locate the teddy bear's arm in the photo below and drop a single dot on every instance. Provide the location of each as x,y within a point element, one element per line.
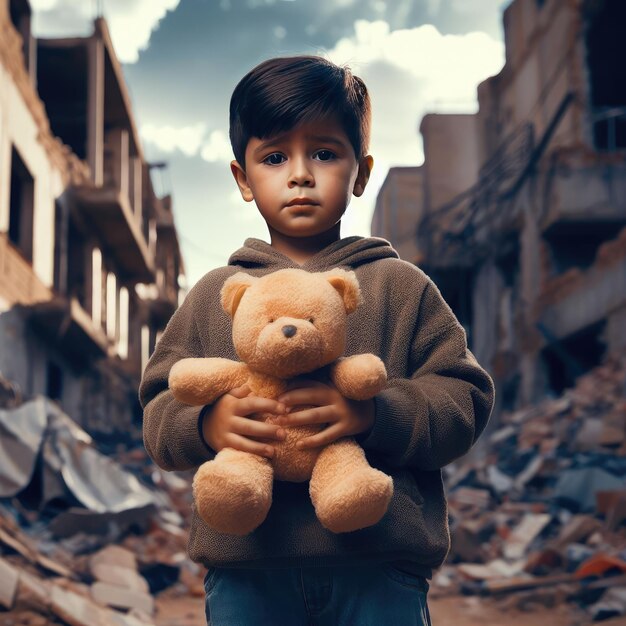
<point>359,377</point>
<point>199,381</point>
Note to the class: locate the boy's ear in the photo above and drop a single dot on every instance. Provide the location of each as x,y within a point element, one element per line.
<point>363,175</point>
<point>233,290</point>
<point>242,181</point>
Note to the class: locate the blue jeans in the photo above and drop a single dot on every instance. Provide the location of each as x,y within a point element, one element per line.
<point>365,595</point>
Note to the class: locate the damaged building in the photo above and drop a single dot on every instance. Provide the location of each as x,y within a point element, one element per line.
<point>90,264</point>
<point>520,215</point>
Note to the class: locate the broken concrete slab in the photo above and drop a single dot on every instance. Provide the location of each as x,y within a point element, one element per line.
<point>524,582</point>
<point>529,472</point>
<point>122,598</point>
<point>524,534</point>
<point>73,608</point>
<point>24,545</point>
<point>469,496</point>
<point>33,593</point>
<point>9,577</point>
<point>126,619</point>
<point>496,569</point>
<point>502,434</point>
<point>121,576</point>
<point>114,555</point>
<point>500,482</point>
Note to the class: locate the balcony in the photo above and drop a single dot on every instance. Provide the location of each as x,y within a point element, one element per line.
<point>65,323</point>
<point>579,299</point>
<point>115,208</point>
<point>582,193</point>
<point>18,282</point>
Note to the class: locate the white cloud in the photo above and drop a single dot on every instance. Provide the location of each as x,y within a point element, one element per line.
<point>186,139</point>
<point>131,22</point>
<point>411,72</point>
<point>452,64</point>
<point>217,148</point>
<point>191,140</point>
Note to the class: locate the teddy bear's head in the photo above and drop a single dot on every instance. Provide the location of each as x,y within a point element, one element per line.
<point>292,321</point>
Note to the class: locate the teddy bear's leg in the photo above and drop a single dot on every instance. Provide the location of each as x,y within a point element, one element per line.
<point>346,491</point>
<point>233,492</point>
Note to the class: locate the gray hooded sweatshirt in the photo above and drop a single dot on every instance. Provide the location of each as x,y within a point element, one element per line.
<point>436,403</point>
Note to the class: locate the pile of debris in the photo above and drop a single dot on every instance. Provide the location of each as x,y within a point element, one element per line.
<point>63,508</point>
<point>542,512</point>
<point>537,519</point>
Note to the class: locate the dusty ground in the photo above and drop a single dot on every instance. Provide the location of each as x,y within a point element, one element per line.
<point>456,611</point>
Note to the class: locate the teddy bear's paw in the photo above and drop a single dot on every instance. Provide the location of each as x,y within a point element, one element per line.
<point>231,500</point>
<point>360,377</point>
<point>355,501</point>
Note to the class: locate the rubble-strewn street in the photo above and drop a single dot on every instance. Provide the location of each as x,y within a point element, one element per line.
<point>68,556</point>
<point>538,520</point>
<point>538,523</point>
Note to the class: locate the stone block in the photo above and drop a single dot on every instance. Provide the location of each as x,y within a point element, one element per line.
<point>122,598</point>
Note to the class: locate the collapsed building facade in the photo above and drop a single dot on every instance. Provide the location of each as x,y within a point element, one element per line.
<point>521,211</point>
<point>90,264</point>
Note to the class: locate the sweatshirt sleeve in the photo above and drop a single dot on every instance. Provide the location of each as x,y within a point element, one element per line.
<point>434,416</point>
<point>171,429</point>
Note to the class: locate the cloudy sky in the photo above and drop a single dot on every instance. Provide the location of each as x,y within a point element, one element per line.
<point>182,59</point>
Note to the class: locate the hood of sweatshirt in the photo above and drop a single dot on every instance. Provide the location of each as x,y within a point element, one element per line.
<point>348,253</point>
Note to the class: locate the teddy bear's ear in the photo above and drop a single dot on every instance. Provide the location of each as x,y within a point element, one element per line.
<point>347,285</point>
<point>233,291</point>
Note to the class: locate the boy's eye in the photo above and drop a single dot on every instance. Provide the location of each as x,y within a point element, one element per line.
<point>324,155</point>
<point>274,159</point>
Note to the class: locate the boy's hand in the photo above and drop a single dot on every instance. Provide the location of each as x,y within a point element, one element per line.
<point>226,424</point>
<point>344,417</point>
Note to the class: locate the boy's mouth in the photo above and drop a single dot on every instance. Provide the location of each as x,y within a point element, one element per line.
<point>301,202</point>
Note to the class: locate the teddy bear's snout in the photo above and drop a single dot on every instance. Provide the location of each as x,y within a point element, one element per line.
<point>289,330</point>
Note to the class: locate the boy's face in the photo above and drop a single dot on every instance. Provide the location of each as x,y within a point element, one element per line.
<point>302,180</point>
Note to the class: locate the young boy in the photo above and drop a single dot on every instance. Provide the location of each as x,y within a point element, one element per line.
<point>299,128</point>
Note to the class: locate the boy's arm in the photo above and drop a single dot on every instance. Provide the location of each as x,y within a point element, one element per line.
<point>171,429</point>
<point>435,416</point>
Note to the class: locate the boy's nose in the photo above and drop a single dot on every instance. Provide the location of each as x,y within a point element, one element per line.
<point>300,175</point>
<point>289,331</point>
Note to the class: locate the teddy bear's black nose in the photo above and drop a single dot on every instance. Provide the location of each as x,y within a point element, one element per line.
<point>289,331</point>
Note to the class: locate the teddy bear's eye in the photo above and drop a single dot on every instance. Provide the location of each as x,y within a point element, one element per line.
<point>271,320</point>
<point>311,320</point>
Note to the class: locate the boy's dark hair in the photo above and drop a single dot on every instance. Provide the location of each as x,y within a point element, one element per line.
<point>281,93</point>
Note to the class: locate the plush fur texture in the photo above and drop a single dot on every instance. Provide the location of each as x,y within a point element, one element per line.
<point>287,323</point>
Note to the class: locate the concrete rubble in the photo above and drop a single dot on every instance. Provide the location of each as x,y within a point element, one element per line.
<point>72,552</point>
<point>538,515</point>
<point>538,519</point>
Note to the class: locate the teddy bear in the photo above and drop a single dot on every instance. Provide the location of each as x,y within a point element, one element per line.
<point>285,324</point>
